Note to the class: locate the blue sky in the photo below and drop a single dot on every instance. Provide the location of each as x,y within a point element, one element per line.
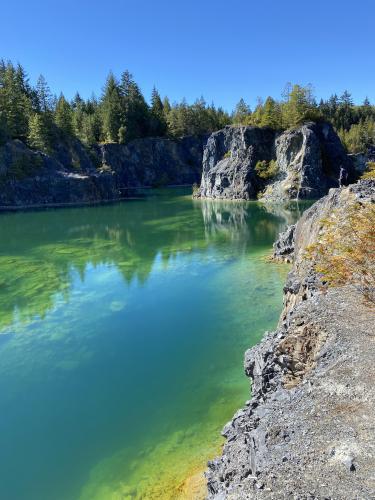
<point>221,50</point>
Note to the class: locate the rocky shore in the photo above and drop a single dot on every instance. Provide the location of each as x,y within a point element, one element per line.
<point>74,174</point>
<point>308,430</point>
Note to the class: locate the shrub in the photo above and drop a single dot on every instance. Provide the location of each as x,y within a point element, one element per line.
<point>369,173</point>
<point>266,169</point>
<point>345,251</point>
<point>195,189</point>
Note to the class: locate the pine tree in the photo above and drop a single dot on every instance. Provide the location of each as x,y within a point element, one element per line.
<point>242,113</point>
<point>63,116</point>
<point>156,104</point>
<point>299,105</point>
<point>39,136</point>
<point>271,116</point>
<point>135,113</point>
<point>15,102</point>
<point>44,96</point>
<point>111,109</point>
<point>158,123</point>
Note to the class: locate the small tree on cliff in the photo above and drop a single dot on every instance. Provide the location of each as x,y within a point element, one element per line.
<point>242,113</point>
<point>63,116</point>
<point>299,105</point>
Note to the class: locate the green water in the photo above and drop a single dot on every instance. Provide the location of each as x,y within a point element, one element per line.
<point>122,332</point>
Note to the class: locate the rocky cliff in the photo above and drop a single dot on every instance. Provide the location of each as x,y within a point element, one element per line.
<point>309,160</point>
<point>72,173</point>
<point>308,430</point>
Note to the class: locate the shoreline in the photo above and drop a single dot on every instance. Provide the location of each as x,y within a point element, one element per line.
<point>41,206</point>
<point>307,431</point>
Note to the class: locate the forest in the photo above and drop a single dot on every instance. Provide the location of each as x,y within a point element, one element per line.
<point>41,119</point>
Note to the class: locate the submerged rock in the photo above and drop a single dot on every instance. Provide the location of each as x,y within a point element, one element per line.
<point>310,159</point>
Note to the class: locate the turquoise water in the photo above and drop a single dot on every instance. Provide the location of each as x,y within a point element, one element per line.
<point>122,332</point>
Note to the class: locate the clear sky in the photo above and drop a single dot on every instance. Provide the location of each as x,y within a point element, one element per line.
<point>221,50</point>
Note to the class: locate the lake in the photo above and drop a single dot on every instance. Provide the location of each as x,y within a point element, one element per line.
<point>122,334</point>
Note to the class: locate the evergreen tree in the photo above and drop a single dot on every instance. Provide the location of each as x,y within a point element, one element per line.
<point>39,136</point>
<point>299,105</point>
<point>135,113</point>
<point>63,116</point>
<point>44,96</point>
<point>242,113</point>
<point>158,123</point>
<point>15,103</point>
<point>166,107</point>
<point>111,109</point>
<point>271,116</point>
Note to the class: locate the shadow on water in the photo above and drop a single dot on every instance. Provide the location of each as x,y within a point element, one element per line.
<point>122,329</point>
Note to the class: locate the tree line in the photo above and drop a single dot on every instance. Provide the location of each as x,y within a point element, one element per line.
<point>121,114</point>
<point>355,124</point>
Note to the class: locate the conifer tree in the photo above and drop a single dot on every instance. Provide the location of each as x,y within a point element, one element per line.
<point>299,105</point>
<point>111,109</point>
<point>63,116</point>
<point>135,113</point>
<point>242,113</point>
<point>44,96</point>
<point>39,136</point>
<point>15,103</point>
<point>271,116</point>
<point>158,123</point>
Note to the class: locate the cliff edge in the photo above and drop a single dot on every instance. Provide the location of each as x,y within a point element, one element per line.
<point>252,162</point>
<point>72,173</point>
<point>308,430</point>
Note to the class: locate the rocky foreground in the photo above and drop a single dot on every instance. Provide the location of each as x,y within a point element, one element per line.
<point>309,430</point>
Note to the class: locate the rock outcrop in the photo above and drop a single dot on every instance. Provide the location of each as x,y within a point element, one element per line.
<point>310,159</point>
<point>229,159</point>
<point>360,160</point>
<point>307,432</point>
<point>75,174</point>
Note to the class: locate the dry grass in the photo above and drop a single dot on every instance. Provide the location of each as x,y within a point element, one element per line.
<point>345,251</point>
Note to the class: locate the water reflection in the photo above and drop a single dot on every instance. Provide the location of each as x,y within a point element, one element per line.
<point>122,333</point>
<point>40,252</point>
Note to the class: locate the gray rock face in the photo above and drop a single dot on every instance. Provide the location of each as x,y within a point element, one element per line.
<point>307,432</point>
<point>284,246</point>
<point>73,174</point>
<point>310,160</point>
<point>360,160</point>
<point>229,159</point>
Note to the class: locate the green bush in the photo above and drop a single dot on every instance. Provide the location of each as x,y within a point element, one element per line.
<point>369,173</point>
<point>266,169</point>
